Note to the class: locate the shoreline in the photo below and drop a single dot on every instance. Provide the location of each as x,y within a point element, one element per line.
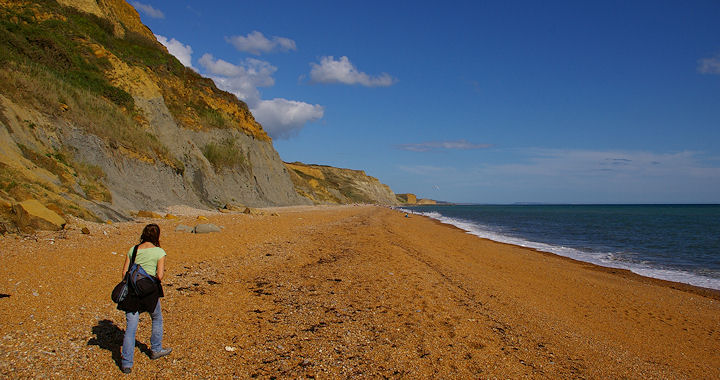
<point>349,291</point>
<point>625,273</point>
<point>690,287</point>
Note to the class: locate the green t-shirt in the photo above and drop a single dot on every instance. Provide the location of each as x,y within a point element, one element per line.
<point>148,258</point>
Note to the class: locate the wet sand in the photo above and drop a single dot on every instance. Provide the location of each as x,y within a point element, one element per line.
<point>337,292</point>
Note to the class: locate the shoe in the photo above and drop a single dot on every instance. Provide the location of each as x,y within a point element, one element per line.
<point>126,369</point>
<point>161,353</point>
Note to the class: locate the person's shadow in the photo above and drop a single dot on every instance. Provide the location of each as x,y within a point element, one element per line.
<point>110,337</point>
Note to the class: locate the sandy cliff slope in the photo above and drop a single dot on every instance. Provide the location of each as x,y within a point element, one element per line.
<point>97,118</point>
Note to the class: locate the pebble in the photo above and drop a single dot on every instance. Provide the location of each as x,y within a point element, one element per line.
<point>230,349</point>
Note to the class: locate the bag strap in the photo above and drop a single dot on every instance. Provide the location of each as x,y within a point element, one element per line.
<point>132,260</point>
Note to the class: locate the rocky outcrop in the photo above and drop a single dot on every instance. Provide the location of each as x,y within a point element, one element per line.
<point>329,185</point>
<point>97,119</point>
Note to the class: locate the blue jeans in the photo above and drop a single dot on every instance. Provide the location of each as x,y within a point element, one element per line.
<point>128,348</point>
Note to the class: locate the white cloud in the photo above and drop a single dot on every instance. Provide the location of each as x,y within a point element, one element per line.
<point>432,145</point>
<point>709,65</point>
<point>343,71</point>
<point>281,118</point>
<point>181,51</point>
<point>243,79</point>
<point>148,10</point>
<point>256,43</point>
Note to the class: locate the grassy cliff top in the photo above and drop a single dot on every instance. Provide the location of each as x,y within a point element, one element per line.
<point>110,57</point>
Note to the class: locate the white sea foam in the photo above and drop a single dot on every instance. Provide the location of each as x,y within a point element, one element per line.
<point>606,259</point>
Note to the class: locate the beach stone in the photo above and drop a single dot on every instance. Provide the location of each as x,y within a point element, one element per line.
<point>252,211</point>
<point>206,228</point>
<point>85,231</point>
<point>32,214</point>
<point>148,214</point>
<point>234,207</point>
<point>183,228</point>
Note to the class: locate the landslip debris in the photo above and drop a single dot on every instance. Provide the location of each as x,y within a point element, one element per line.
<point>32,214</point>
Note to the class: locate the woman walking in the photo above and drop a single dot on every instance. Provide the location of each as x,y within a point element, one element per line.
<point>151,258</point>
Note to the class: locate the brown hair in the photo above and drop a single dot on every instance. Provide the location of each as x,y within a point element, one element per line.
<point>151,233</point>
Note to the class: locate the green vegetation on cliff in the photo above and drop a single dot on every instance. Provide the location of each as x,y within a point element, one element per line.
<point>46,61</point>
<point>63,69</point>
<point>59,58</point>
<point>224,155</point>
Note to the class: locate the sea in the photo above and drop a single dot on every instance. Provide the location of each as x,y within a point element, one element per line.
<point>678,243</point>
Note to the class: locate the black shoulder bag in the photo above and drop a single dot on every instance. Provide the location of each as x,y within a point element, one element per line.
<point>121,290</point>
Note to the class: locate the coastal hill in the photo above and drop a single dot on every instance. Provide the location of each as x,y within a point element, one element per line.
<point>97,119</point>
<point>409,199</point>
<point>329,185</point>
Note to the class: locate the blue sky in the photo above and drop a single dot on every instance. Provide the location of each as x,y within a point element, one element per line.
<point>475,101</point>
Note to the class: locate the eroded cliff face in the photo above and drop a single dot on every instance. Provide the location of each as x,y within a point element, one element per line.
<point>98,119</point>
<point>121,14</point>
<point>329,185</point>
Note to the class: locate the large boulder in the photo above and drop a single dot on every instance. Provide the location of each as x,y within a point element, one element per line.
<point>31,214</point>
<point>206,228</point>
<point>183,228</point>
